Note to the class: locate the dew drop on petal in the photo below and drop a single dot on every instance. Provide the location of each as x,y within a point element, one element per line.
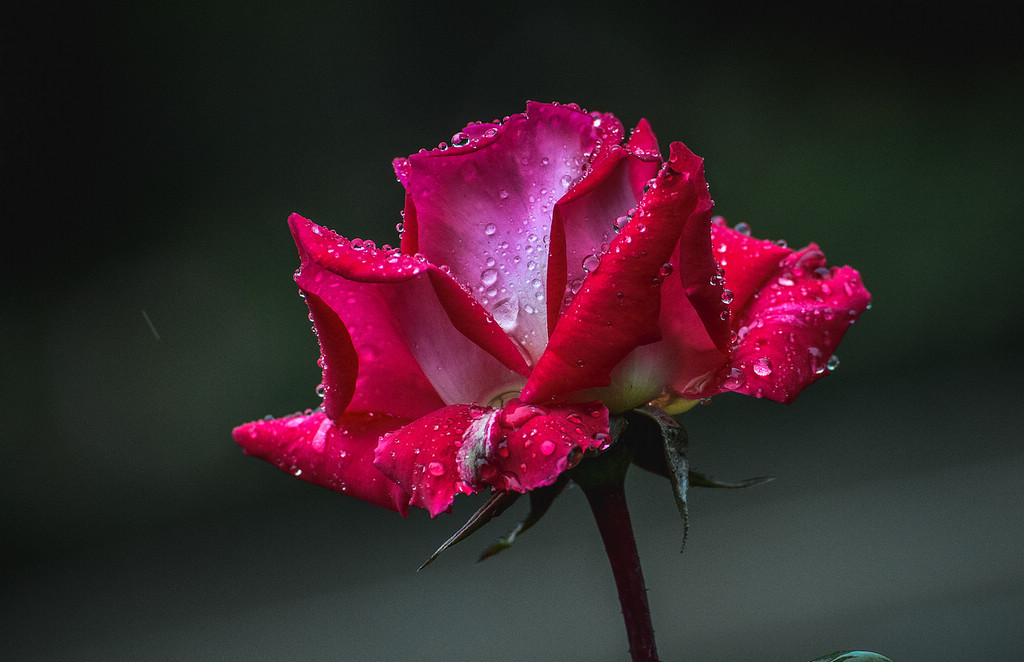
<point>503,194</point>
<point>743,229</point>
<point>488,277</point>
<point>435,468</point>
<point>547,447</point>
<point>490,229</point>
<point>591,262</point>
<point>727,296</point>
<point>763,367</point>
<point>832,363</point>
<point>735,379</point>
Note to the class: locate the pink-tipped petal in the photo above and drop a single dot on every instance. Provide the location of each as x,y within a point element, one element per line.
<point>484,207</point>
<point>788,332</point>
<point>337,455</point>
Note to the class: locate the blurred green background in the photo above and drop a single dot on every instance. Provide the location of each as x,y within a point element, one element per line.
<point>151,154</point>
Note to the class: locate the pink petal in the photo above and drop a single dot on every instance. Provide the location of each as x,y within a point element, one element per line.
<point>406,319</point>
<point>591,211</point>
<point>484,209</point>
<point>617,309</point>
<point>539,443</point>
<point>792,325</point>
<point>337,455</point>
<point>424,456</point>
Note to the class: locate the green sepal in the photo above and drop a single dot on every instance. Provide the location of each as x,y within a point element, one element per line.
<point>674,443</point>
<point>494,506</point>
<point>540,500</point>
<point>697,479</point>
<point>852,656</point>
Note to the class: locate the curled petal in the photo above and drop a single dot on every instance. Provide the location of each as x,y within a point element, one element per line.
<point>590,214</point>
<point>406,319</point>
<point>337,454</point>
<point>425,457</point>
<point>787,333</point>
<point>617,308</point>
<point>537,444</point>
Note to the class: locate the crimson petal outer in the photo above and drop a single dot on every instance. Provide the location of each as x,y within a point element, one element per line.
<point>337,455</point>
<point>406,318</point>
<point>746,262</point>
<point>792,325</point>
<point>618,307</point>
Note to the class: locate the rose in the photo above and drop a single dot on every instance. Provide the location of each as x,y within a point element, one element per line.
<point>549,274</point>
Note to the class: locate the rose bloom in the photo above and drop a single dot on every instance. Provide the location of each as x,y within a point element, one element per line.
<point>551,272</point>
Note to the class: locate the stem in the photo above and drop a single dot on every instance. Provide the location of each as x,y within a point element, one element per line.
<point>608,503</point>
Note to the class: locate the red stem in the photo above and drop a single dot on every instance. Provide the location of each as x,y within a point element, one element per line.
<point>608,503</point>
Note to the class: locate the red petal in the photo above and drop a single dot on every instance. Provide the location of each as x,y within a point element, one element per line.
<point>542,442</point>
<point>424,456</point>
<point>792,325</point>
<point>338,456</point>
<point>484,209</point>
<point>618,307</point>
<point>746,262</point>
<point>406,319</point>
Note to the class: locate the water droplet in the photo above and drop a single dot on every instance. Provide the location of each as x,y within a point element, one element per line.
<point>503,194</point>
<point>435,468</point>
<point>735,379</point>
<point>762,367</point>
<point>488,277</point>
<point>591,262</point>
<point>833,363</point>
<point>506,313</point>
<point>490,229</point>
<point>666,269</point>
<point>743,229</point>
<point>727,296</point>
<point>786,281</point>
<point>580,363</point>
<point>544,161</point>
<point>460,139</point>
<point>547,447</point>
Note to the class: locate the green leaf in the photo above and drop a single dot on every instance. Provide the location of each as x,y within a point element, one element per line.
<point>540,500</point>
<point>852,656</point>
<point>674,442</point>
<point>495,506</point>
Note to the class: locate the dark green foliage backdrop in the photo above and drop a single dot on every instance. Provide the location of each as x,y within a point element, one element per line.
<point>151,154</point>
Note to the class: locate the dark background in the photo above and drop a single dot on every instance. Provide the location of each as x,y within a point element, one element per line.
<point>151,154</point>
